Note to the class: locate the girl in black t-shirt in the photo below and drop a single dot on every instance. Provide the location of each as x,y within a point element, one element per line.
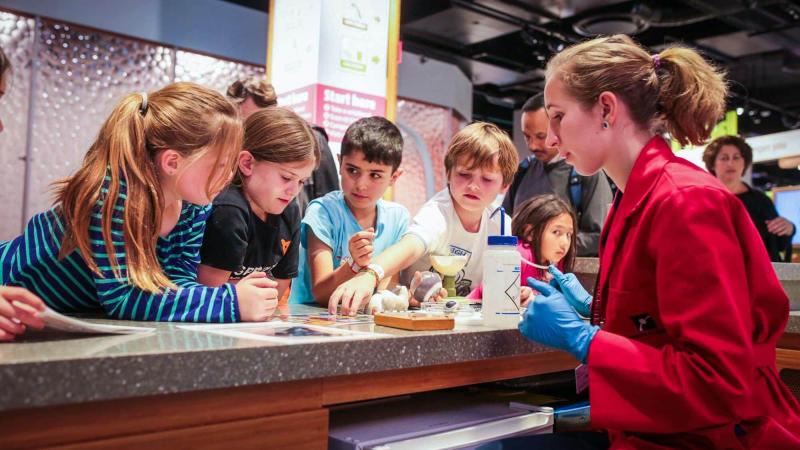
<point>254,226</point>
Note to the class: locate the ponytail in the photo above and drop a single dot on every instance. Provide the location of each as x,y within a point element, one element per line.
<point>185,117</point>
<point>675,91</point>
<point>691,93</point>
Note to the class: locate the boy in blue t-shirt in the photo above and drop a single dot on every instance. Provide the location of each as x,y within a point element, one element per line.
<point>343,230</point>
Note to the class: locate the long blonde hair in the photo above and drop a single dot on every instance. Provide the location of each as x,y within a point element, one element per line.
<point>185,117</point>
<point>676,90</point>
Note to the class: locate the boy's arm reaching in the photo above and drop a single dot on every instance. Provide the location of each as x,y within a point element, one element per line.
<point>357,291</point>
<point>324,278</point>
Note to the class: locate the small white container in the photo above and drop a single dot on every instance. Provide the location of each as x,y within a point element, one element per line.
<point>501,272</point>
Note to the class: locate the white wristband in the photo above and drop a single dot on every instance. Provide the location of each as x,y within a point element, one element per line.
<point>378,270</point>
<point>353,266</point>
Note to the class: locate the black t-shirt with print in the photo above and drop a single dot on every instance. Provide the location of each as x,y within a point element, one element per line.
<point>236,239</point>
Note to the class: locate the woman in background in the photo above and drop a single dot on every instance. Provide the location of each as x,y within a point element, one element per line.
<point>728,158</point>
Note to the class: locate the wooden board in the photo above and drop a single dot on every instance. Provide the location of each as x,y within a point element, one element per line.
<point>415,321</point>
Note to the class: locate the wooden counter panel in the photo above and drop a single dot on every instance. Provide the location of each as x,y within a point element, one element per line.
<point>303,430</point>
<point>351,388</point>
<point>56,425</point>
<point>789,341</point>
<point>787,359</point>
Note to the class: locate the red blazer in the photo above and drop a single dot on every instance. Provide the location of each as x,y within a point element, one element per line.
<point>691,310</point>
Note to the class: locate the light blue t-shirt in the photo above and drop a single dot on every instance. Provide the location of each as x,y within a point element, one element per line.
<point>333,223</point>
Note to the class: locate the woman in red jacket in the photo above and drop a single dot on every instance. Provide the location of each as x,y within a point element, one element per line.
<point>687,309</point>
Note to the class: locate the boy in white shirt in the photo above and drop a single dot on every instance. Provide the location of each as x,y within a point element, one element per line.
<point>481,162</point>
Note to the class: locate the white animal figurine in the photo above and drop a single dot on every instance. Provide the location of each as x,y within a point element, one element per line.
<point>395,300</point>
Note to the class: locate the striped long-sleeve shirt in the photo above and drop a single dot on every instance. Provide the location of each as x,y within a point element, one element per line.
<point>68,285</point>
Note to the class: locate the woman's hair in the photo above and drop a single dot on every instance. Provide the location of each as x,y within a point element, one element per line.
<point>5,64</point>
<point>185,117</point>
<point>713,148</point>
<point>478,144</point>
<point>257,88</point>
<point>538,212</point>
<point>279,135</point>
<point>676,90</point>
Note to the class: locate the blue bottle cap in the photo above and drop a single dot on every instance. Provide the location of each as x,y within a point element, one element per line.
<point>503,240</point>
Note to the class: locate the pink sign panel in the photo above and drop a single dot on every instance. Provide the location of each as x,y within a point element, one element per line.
<point>301,101</point>
<point>332,108</point>
<point>338,108</point>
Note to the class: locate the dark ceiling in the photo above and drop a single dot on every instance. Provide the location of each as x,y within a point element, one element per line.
<point>503,45</point>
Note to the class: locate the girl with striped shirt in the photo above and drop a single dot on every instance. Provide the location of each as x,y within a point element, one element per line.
<point>125,233</point>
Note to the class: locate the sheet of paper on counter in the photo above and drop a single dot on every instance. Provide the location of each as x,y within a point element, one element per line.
<point>56,321</point>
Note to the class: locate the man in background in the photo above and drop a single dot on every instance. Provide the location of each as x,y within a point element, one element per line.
<point>546,172</point>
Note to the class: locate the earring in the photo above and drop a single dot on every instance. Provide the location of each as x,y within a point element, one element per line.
<point>605,125</point>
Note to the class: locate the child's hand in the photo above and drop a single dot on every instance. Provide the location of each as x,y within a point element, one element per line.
<point>526,294</point>
<point>353,294</point>
<point>257,296</point>
<point>437,297</point>
<point>421,288</point>
<point>18,308</point>
<point>360,246</point>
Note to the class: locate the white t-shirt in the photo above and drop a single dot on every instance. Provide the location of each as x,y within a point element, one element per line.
<point>437,225</point>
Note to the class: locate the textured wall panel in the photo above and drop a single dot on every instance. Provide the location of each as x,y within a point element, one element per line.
<point>16,38</point>
<point>81,77</point>
<point>427,130</point>
<point>212,72</point>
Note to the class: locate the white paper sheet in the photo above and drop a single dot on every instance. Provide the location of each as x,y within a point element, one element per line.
<point>55,321</point>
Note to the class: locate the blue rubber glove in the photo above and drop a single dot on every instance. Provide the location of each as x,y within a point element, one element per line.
<point>575,294</point>
<point>551,321</point>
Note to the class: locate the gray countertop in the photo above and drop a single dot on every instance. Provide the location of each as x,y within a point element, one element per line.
<point>794,322</point>
<point>49,369</point>
<point>44,369</point>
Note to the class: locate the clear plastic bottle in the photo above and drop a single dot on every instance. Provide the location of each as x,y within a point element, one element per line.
<point>501,272</point>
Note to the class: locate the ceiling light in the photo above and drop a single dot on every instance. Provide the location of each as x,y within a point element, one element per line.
<point>739,111</point>
<point>610,24</point>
